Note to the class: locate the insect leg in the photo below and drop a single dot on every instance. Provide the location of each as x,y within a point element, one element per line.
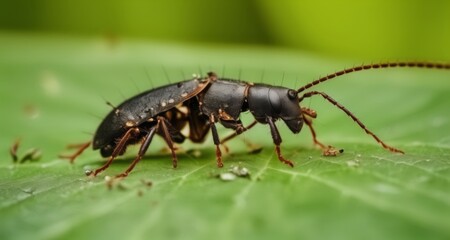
<point>142,151</point>
<point>277,141</point>
<point>251,146</point>
<point>216,142</point>
<point>335,103</point>
<point>117,150</point>
<point>80,149</point>
<point>166,135</point>
<point>234,134</point>
<point>308,114</point>
<point>313,132</point>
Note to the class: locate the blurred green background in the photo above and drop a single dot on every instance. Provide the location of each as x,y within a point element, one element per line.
<point>360,30</point>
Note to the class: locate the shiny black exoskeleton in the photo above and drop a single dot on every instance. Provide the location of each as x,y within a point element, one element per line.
<point>200,103</point>
<point>225,99</point>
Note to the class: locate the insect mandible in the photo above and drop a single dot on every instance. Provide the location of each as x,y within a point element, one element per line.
<point>202,102</point>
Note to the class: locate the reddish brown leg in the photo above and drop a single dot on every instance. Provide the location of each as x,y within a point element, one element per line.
<point>309,112</point>
<point>142,151</point>
<point>277,141</point>
<point>116,151</point>
<point>335,103</point>
<point>80,149</point>
<point>234,134</point>
<point>166,135</point>
<point>313,133</point>
<point>307,115</point>
<point>216,142</point>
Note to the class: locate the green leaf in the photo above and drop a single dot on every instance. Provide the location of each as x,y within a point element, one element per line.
<point>53,92</point>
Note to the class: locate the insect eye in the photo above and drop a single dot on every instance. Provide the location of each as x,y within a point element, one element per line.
<point>292,94</point>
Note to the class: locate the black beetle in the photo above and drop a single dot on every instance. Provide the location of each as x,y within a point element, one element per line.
<point>203,102</point>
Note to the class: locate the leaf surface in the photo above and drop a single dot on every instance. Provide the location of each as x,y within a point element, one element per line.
<point>53,92</point>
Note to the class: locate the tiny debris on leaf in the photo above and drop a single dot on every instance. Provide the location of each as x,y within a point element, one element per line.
<point>147,182</point>
<point>233,173</point>
<point>122,186</point>
<point>112,182</point>
<point>32,154</point>
<point>88,172</point>
<point>13,150</point>
<point>240,171</point>
<point>330,151</point>
<point>140,193</point>
<point>353,163</point>
<point>227,176</point>
<point>28,190</point>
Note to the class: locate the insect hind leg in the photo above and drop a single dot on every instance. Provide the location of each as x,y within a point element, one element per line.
<point>142,150</point>
<point>352,116</point>
<point>162,127</point>
<point>164,131</point>
<point>117,150</point>
<point>80,149</point>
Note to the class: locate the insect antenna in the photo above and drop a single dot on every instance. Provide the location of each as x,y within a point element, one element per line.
<point>375,66</point>
<point>353,117</point>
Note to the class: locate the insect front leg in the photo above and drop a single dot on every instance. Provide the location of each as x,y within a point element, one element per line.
<point>277,141</point>
<point>327,150</point>
<point>308,116</point>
